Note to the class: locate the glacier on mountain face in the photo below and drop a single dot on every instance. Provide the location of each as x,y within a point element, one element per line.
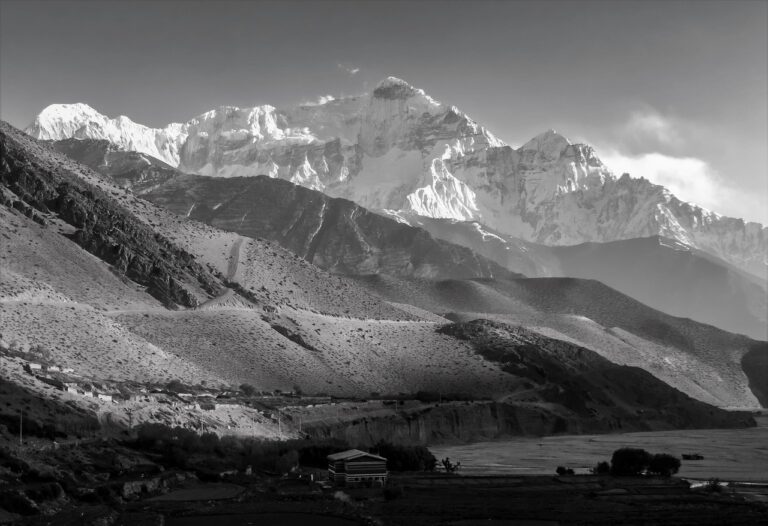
<point>400,150</point>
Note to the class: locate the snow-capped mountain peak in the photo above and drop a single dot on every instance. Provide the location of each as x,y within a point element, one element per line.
<point>81,121</point>
<point>549,143</point>
<point>399,149</point>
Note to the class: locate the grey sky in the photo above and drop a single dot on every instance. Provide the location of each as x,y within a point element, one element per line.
<point>676,89</point>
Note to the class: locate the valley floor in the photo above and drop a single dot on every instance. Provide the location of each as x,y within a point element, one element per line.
<point>729,454</point>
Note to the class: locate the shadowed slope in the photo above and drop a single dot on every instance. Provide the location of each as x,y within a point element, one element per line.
<point>583,383</point>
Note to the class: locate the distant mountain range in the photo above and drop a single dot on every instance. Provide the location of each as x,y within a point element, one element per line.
<point>340,236</point>
<point>398,149</point>
<point>660,272</point>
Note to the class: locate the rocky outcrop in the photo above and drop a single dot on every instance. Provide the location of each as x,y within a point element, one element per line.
<point>398,149</point>
<point>456,422</point>
<point>135,171</point>
<point>35,175</point>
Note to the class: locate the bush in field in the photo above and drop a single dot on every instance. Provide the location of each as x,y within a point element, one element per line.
<point>602,468</point>
<point>287,461</point>
<point>405,458</point>
<point>630,461</point>
<point>713,486</point>
<point>427,396</point>
<point>247,389</point>
<point>393,492</point>
<point>315,454</point>
<point>175,386</point>
<point>561,470</point>
<point>664,465</point>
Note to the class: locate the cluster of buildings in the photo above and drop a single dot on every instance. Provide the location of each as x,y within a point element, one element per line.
<point>45,373</point>
<point>32,366</point>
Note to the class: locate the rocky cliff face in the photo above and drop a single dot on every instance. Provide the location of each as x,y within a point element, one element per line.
<point>478,421</point>
<point>398,149</point>
<point>136,171</point>
<point>32,179</point>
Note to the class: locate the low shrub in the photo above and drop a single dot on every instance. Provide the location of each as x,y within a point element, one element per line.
<point>393,492</point>
<point>405,458</point>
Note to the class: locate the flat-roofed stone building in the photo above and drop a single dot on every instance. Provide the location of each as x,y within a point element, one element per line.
<point>357,468</point>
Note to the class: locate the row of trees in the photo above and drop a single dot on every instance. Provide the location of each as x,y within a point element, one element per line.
<point>634,461</point>
<point>187,449</point>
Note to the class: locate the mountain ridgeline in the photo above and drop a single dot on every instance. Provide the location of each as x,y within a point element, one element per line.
<point>338,235</point>
<point>334,234</point>
<point>399,149</point>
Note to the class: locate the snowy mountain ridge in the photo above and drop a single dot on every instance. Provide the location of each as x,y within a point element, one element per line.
<point>399,150</point>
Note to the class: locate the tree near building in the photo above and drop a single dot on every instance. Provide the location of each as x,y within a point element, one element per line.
<point>629,461</point>
<point>664,464</point>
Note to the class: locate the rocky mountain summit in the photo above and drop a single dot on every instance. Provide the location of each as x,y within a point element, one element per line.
<point>400,150</point>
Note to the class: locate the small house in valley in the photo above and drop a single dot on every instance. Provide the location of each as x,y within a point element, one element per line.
<point>357,468</point>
